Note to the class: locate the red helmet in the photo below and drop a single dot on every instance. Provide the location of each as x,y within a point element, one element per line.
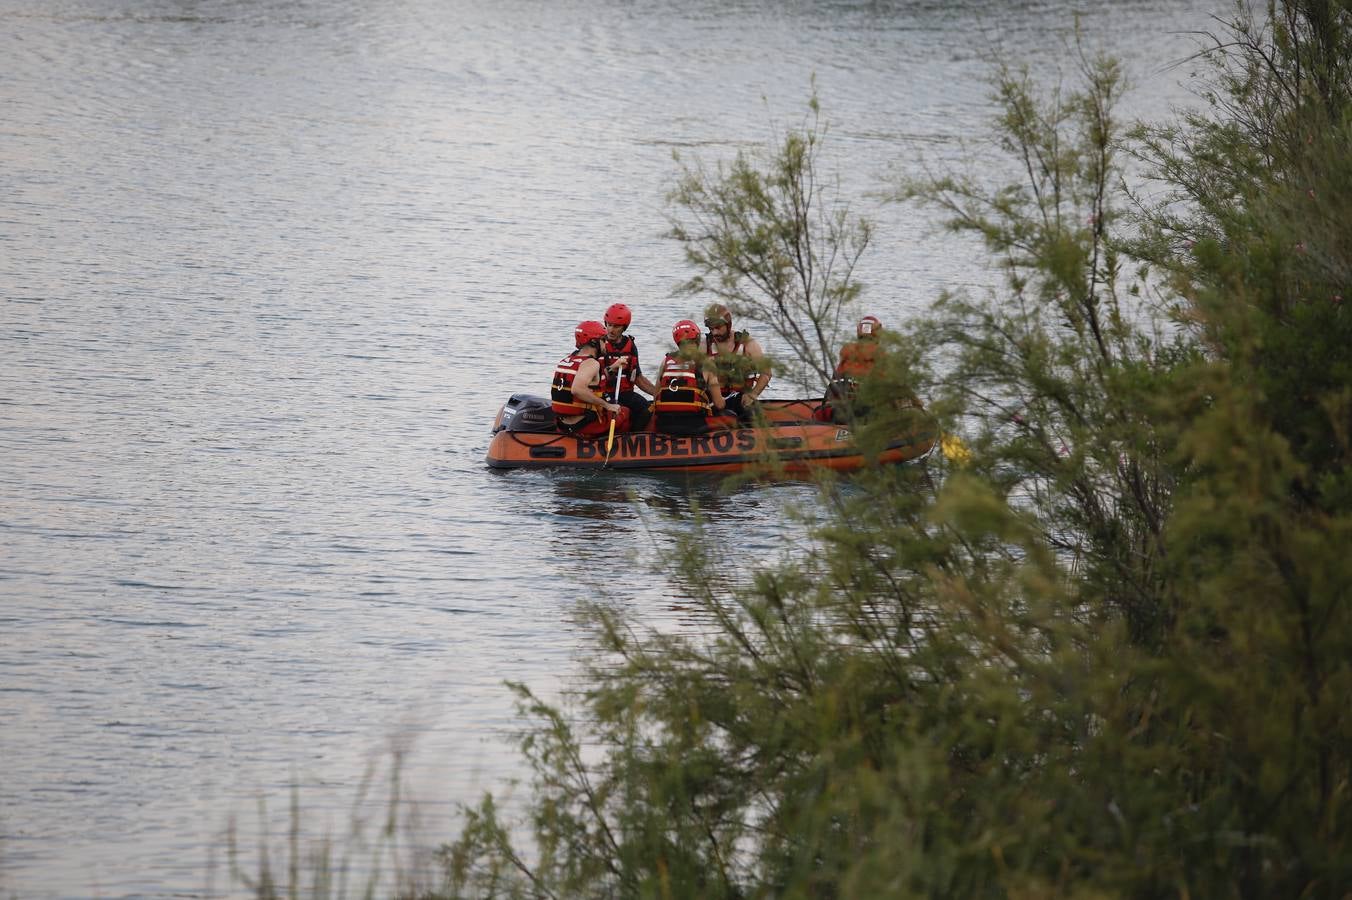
<point>716,315</point>
<point>619,314</point>
<point>588,331</point>
<point>684,330</point>
<point>869,326</point>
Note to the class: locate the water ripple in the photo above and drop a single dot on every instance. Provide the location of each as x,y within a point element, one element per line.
<point>268,270</point>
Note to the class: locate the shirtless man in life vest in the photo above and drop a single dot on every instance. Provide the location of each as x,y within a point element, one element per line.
<point>573,392</point>
<point>743,370</point>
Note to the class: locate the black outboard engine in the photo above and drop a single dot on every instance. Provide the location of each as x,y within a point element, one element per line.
<point>527,412</point>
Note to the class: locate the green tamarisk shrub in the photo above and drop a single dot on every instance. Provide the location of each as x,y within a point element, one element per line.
<point>1111,655</point>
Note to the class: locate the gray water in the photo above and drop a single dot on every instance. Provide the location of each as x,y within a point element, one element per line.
<point>267,269</point>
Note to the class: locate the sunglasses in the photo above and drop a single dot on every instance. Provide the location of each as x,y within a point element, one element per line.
<point>714,323</point>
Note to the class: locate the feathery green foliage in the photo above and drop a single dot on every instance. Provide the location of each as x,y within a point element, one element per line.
<point>1112,656</point>
<point>769,236</point>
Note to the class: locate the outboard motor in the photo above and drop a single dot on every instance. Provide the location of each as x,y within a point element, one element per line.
<point>526,412</point>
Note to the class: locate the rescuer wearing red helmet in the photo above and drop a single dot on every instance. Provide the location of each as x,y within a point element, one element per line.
<point>619,359</point>
<point>858,359</point>
<point>687,391</point>
<point>743,372</point>
<point>574,391</point>
<point>858,356</point>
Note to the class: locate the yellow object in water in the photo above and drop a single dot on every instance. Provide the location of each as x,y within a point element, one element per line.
<point>954,449</point>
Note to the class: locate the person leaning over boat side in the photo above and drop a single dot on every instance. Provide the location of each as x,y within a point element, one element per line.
<point>743,372</point>
<point>687,394</point>
<point>619,355</point>
<point>574,389</point>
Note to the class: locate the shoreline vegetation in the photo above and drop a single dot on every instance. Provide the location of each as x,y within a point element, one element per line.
<point>1109,653</point>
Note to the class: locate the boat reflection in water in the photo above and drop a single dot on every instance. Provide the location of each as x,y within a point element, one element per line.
<point>617,538</point>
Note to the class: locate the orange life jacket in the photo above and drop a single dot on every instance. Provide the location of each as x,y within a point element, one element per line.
<point>857,359</point>
<point>681,387</point>
<point>732,377</point>
<point>561,390</point>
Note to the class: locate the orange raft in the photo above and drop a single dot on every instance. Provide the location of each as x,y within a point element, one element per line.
<point>525,437</point>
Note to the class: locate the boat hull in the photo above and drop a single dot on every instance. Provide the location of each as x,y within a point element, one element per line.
<point>792,442</point>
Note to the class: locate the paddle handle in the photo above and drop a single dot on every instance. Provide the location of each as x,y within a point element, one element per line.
<point>610,438</point>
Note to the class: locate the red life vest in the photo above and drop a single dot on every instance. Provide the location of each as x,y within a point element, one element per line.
<point>732,377</point>
<point>857,359</point>
<point>681,387</point>
<point>561,390</point>
<point>625,349</point>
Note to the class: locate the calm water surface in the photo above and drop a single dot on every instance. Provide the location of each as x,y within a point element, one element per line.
<point>267,268</point>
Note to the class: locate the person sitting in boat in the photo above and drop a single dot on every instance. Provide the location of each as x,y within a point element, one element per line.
<point>858,358</point>
<point>743,371</point>
<point>619,358</point>
<point>688,398</point>
<point>577,378</point>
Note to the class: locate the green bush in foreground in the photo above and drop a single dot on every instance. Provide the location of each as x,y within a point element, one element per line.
<point>1110,657</point>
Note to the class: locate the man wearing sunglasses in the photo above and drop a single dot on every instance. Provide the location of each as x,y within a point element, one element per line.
<point>743,371</point>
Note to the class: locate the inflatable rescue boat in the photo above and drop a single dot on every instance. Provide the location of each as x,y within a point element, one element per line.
<point>526,437</point>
